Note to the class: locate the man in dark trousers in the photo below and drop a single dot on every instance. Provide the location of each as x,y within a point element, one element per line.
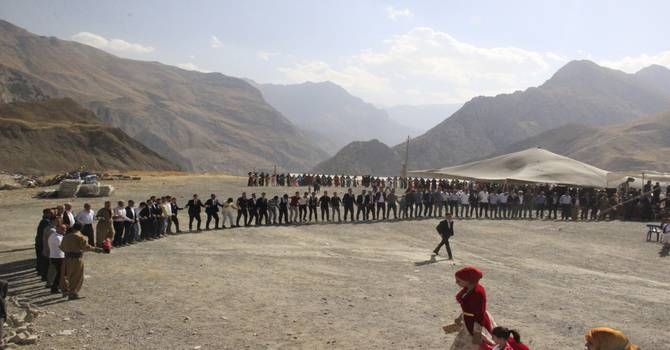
<point>348,202</point>
<point>194,209</point>
<point>361,206</point>
<point>324,203</point>
<point>446,229</point>
<point>242,209</point>
<point>212,211</point>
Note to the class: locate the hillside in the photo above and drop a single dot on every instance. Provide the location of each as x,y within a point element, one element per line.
<point>581,91</point>
<point>641,144</point>
<point>200,121</point>
<point>56,135</point>
<point>421,117</point>
<point>332,116</point>
<point>362,158</point>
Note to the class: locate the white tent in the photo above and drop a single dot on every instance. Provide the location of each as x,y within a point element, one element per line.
<point>534,165</point>
<point>640,177</point>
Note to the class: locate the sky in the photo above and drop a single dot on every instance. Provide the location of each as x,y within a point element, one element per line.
<point>386,52</point>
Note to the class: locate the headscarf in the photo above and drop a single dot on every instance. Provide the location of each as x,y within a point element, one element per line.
<point>469,274</point>
<point>605,338</point>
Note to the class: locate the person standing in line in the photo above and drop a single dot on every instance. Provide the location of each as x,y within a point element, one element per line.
<point>166,213</point>
<point>294,213</point>
<point>242,212</point>
<point>540,202</point>
<point>380,199</point>
<point>439,201</point>
<point>493,204</point>
<point>418,203</point>
<point>175,211</point>
<point>348,202</point>
<point>474,212</point>
<point>465,203</point>
<point>144,217</point>
<point>194,209</point>
<point>73,246</point>
<point>313,203</point>
<point>392,201</point>
<point>130,225</point>
<point>503,198</point>
<point>56,255</point>
<point>262,209</point>
<point>324,203</point>
<point>428,203</point>
<point>212,211</point>
<point>360,206</point>
<point>68,215</point>
<point>273,203</point>
<point>85,218</point>
<point>552,205</point>
<point>528,203</point>
<point>483,203</point>
<point>119,223</point>
<point>229,208</point>
<point>335,203</point>
<point>252,209</point>
<point>445,229</point>
<point>42,262</point>
<point>104,228</point>
<point>302,207</point>
<point>565,202</point>
<point>283,209</point>
<point>368,199</point>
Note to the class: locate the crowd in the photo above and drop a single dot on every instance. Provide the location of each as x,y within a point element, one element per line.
<point>422,197</point>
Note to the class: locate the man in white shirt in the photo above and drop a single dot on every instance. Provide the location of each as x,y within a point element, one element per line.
<point>465,203</point>
<point>502,204</point>
<point>483,197</point>
<point>85,218</point>
<point>493,205</point>
<point>565,202</point>
<point>56,255</point>
<point>119,219</point>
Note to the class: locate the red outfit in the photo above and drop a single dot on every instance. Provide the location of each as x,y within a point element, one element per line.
<point>473,304</point>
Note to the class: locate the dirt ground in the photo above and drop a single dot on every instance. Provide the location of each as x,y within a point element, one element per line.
<point>340,286</point>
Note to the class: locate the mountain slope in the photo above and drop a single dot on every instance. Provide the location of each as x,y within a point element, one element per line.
<point>332,115</point>
<point>55,135</point>
<point>641,144</point>
<point>581,92</point>
<point>422,117</point>
<point>201,121</point>
<point>362,157</point>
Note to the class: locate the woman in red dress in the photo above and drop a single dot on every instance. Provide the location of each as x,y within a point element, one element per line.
<point>474,316</point>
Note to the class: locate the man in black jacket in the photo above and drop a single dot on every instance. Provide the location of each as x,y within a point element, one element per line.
<point>242,209</point>
<point>324,203</point>
<point>348,202</point>
<point>212,211</point>
<point>313,202</point>
<point>194,209</point>
<point>446,229</point>
<point>253,212</point>
<point>361,206</point>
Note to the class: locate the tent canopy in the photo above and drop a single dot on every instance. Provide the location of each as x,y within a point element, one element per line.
<point>534,165</point>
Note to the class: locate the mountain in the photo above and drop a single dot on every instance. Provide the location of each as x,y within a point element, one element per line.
<point>641,144</point>
<point>362,157</point>
<point>421,117</point>
<point>200,121</point>
<point>331,115</point>
<point>581,91</point>
<point>56,135</point>
<point>656,76</point>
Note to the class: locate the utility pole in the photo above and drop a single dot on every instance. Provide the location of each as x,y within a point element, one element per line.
<point>404,165</point>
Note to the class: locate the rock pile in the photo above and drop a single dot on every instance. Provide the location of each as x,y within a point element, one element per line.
<point>19,329</point>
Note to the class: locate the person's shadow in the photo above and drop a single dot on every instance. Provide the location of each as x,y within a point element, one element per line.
<point>433,259</point>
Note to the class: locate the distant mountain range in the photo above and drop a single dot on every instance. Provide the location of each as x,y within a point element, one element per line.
<point>199,121</point>
<point>580,92</point>
<point>420,118</point>
<point>56,135</point>
<point>364,158</point>
<point>331,116</point>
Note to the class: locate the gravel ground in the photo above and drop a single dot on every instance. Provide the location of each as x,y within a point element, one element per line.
<point>340,286</point>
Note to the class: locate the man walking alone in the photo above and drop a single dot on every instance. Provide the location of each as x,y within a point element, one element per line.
<point>446,229</point>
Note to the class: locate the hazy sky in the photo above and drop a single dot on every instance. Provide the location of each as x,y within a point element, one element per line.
<point>387,52</point>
